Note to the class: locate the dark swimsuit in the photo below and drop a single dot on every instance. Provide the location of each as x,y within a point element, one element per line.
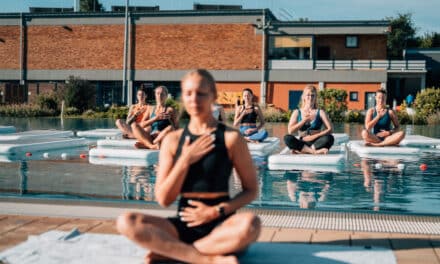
<point>210,174</point>
<point>325,141</point>
<point>384,123</point>
<point>159,125</point>
<point>249,117</point>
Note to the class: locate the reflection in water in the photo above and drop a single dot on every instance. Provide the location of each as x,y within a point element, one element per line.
<point>307,188</point>
<point>138,183</point>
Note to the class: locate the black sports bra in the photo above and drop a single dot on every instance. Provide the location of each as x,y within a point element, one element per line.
<point>211,173</point>
<point>250,117</point>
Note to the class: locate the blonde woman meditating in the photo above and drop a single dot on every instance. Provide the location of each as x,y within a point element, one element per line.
<point>308,122</point>
<point>195,164</point>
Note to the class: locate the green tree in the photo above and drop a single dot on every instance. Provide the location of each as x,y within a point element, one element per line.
<point>90,6</point>
<point>80,94</point>
<point>402,35</point>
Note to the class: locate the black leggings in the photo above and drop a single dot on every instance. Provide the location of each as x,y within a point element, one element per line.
<point>297,144</point>
<point>191,234</point>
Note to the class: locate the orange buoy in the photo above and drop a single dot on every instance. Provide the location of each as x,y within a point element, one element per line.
<point>423,167</point>
<point>82,156</point>
<point>356,164</point>
<point>28,154</point>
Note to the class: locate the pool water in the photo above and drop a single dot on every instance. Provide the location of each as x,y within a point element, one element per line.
<point>365,185</point>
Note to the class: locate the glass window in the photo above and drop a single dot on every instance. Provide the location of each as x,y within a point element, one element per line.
<point>351,42</point>
<point>290,48</point>
<point>354,96</point>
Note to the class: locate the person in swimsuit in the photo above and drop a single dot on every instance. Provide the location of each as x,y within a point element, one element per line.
<point>160,120</point>
<point>135,114</point>
<point>195,165</point>
<point>308,121</point>
<point>378,131</point>
<point>246,118</point>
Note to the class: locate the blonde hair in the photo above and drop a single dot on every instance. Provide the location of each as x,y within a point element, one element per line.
<point>164,88</point>
<point>314,90</point>
<point>207,79</point>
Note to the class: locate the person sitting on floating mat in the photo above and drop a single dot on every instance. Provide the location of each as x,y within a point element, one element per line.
<point>160,120</point>
<point>136,114</point>
<point>378,131</point>
<point>246,117</point>
<point>308,121</point>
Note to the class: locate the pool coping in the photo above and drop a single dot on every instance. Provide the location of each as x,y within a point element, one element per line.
<point>277,218</point>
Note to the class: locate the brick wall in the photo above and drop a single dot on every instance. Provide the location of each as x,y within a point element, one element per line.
<point>10,47</point>
<point>371,47</point>
<point>210,46</point>
<point>77,47</point>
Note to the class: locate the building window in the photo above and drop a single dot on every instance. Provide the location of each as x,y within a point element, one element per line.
<point>290,47</point>
<point>354,96</point>
<point>351,42</point>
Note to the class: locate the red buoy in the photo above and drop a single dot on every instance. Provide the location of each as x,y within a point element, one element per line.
<point>83,156</point>
<point>28,154</point>
<point>423,167</point>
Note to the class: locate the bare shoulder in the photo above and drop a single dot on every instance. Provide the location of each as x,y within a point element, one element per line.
<point>171,140</point>
<point>232,136</point>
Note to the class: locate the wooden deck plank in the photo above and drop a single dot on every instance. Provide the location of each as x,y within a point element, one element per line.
<point>106,227</point>
<point>331,237</point>
<point>368,239</point>
<point>293,235</point>
<point>21,233</point>
<point>83,225</point>
<point>12,222</point>
<point>267,234</point>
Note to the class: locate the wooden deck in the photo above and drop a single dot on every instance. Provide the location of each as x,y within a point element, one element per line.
<point>407,248</point>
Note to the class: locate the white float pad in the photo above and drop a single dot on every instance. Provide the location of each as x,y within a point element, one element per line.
<point>287,161</point>
<point>7,129</point>
<point>359,147</point>
<point>116,143</point>
<point>264,148</point>
<point>148,155</point>
<point>340,138</point>
<point>33,134</point>
<point>121,162</point>
<point>39,144</point>
<point>420,141</point>
<point>110,133</point>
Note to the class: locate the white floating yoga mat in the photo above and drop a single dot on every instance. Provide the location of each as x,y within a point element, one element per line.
<point>359,147</point>
<point>420,141</point>
<point>148,155</point>
<point>116,143</point>
<point>34,134</point>
<point>39,144</point>
<point>340,138</point>
<point>7,129</point>
<point>287,161</point>
<point>109,133</point>
<point>268,146</point>
<point>64,247</point>
<point>122,162</point>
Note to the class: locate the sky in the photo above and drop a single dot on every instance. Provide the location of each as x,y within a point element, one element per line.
<point>424,12</point>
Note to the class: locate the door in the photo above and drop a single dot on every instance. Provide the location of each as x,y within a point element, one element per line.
<point>369,100</point>
<point>294,99</point>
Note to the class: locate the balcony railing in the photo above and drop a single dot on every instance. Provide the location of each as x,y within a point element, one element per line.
<point>389,65</point>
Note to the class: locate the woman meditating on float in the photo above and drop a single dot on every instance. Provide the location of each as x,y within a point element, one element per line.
<point>378,131</point>
<point>246,118</point>
<point>308,122</point>
<point>136,114</point>
<point>160,120</point>
<point>195,164</point>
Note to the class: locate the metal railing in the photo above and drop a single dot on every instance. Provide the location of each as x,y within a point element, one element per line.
<point>389,65</point>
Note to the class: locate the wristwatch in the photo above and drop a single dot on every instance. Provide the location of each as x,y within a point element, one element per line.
<point>221,211</point>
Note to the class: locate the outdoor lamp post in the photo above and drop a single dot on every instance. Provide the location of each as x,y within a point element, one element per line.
<point>263,25</point>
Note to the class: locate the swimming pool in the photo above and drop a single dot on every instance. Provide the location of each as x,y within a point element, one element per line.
<point>361,185</point>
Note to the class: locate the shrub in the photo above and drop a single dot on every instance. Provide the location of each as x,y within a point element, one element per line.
<point>354,116</point>
<point>272,114</point>
<point>334,102</point>
<point>428,102</point>
<point>434,119</point>
<point>72,111</point>
<point>79,93</point>
<point>47,101</point>
<point>25,110</point>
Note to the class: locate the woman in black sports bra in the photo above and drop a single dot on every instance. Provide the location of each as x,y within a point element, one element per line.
<point>195,164</point>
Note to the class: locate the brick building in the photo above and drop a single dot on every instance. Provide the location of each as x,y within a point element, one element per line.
<point>242,48</point>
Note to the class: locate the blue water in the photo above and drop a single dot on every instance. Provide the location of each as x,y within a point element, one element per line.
<point>366,185</point>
